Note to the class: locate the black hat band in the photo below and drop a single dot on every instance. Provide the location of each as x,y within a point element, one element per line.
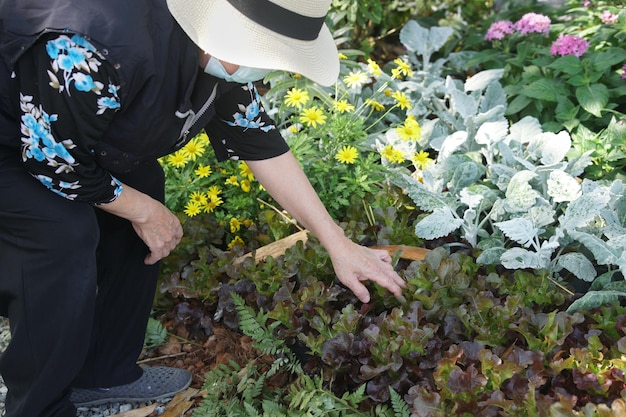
<point>279,19</point>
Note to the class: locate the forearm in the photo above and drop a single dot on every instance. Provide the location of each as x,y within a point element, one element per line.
<point>284,179</point>
<point>131,205</point>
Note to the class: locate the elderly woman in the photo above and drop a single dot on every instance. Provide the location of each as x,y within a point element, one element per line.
<point>93,92</point>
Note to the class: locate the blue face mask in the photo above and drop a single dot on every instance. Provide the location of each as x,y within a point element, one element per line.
<point>243,74</point>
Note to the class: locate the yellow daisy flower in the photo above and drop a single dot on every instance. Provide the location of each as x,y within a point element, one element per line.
<point>313,116</point>
<point>192,208</point>
<point>237,241</point>
<point>392,154</point>
<point>232,180</point>
<point>296,97</point>
<point>203,171</point>
<point>403,67</point>
<point>342,106</point>
<point>193,149</point>
<point>177,159</point>
<point>198,197</point>
<point>235,225</point>
<point>212,203</point>
<point>410,130</point>
<point>203,138</point>
<point>342,56</point>
<point>422,160</point>
<point>356,79</point>
<point>374,104</point>
<point>373,68</point>
<point>245,186</point>
<point>214,191</point>
<point>347,155</point>
<point>402,100</point>
<point>245,171</point>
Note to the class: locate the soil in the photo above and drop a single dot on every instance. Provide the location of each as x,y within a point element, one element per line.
<point>199,353</point>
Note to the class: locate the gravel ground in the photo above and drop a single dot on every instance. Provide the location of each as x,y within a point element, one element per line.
<point>99,411</point>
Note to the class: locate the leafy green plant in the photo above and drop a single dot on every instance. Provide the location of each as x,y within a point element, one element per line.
<point>197,185</point>
<point>156,334</point>
<point>236,391</point>
<point>569,75</point>
<point>508,190</point>
<point>328,130</point>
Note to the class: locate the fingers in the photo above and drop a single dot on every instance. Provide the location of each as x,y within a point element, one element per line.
<point>160,236</point>
<point>365,264</point>
<point>359,290</point>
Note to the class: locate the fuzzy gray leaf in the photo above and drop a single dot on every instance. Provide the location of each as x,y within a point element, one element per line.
<point>579,265</point>
<point>438,224</point>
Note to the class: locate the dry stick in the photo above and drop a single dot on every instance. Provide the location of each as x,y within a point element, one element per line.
<point>172,355</point>
<point>283,215</point>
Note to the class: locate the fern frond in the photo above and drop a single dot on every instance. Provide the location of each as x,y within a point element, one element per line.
<point>400,407</point>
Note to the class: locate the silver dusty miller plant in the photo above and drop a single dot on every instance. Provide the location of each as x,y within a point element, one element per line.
<point>510,190</point>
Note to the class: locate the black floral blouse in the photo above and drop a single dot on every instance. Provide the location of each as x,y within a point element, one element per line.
<point>69,95</point>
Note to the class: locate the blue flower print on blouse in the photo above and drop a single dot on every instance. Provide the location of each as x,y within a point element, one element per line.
<point>249,116</point>
<point>106,103</point>
<point>73,59</point>
<point>73,62</point>
<point>39,144</point>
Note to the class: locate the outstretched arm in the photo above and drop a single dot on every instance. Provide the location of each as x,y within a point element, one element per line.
<point>284,179</point>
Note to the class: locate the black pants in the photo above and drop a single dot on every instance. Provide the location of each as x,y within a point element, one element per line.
<point>75,289</point>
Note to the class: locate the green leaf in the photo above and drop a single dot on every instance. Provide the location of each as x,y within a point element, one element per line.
<point>565,110</point>
<point>593,299</point>
<point>593,98</point>
<point>400,407</point>
<point>604,60</point>
<point>541,89</point>
<point>568,64</point>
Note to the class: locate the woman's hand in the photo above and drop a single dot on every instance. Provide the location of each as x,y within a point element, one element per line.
<point>355,264</point>
<point>154,223</point>
<point>161,231</point>
<point>285,181</point>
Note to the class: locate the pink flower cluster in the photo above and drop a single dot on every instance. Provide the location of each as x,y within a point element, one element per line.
<point>569,45</point>
<point>533,23</point>
<point>624,72</point>
<point>499,30</point>
<point>608,18</point>
<point>529,23</point>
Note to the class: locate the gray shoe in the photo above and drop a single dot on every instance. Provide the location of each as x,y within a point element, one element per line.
<point>156,383</point>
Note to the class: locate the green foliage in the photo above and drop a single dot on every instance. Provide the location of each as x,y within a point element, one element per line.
<point>527,190</point>
<point>156,334</point>
<point>198,186</point>
<point>509,190</point>
<point>583,93</point>
<point>368,22</point>
<point>236,391</point>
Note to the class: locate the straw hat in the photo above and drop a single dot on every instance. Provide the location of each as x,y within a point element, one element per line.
<point>287,35</point>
